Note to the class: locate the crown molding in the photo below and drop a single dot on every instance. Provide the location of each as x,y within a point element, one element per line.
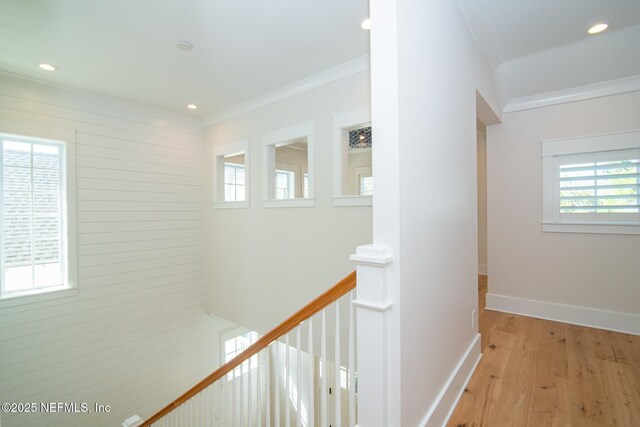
<point>580,93</point>
<point>338,72</point>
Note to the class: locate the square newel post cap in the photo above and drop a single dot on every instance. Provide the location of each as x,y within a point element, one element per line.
<point>373,255</point>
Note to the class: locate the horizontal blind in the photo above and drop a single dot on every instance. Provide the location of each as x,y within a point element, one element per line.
<point>600,183</point>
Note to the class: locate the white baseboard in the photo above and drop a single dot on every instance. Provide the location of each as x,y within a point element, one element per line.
<point>583,316</point>
<point>447,399</point>
<point>483,269</point>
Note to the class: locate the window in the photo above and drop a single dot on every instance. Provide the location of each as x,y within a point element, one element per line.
<point>593,191</point>
<point>285,185</point>
<point>365,187</point>
<point>35,225</point>
<point>305,185</point>
<point>234,182</point>
<point>288,166</point>
<point>231,175</point>
<point>234,346</point>
<point>352,146</point>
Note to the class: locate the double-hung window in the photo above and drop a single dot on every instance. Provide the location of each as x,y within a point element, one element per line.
<point>231,168</point>
<point>234,182</point>
<point>592,184</point>
<point>285,185</point>
<point>34,227</point>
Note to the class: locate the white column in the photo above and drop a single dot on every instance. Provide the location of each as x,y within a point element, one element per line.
<point>371,305</point>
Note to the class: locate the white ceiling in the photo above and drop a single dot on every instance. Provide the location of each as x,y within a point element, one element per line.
<point>509,29</point>
<point>246,48</point>
<point>126,48</point>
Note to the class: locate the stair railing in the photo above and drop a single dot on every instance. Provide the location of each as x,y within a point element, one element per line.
<point>226,398</point>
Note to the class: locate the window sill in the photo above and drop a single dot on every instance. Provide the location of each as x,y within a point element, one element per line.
<point>591,227</point>
<point>289,203</point>
<point>353,201</point>
<point>37,295</point>
<point>231,205</point>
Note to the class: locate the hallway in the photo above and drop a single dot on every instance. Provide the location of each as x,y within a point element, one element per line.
<point>536,373</point>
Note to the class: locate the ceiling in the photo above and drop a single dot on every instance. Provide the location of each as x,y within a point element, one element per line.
<point>126,48</point>
<point>246,48</point>
<point>509,29</point>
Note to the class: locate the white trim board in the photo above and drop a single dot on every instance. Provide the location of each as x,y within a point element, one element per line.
<point>444,405</point>
<point>338,72</point>
<point>576,315</point>
<point>580,93</point>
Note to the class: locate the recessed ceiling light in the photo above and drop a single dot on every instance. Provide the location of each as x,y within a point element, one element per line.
<point>192,107</point>
<point>48,67</point>
<point>366,24</point>
<point>598,28</point>
<point>183,45</point>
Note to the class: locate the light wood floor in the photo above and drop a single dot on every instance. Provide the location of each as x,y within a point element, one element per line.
<point>540,373</point>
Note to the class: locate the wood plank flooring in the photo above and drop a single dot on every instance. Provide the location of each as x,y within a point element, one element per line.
<point>537,373</point>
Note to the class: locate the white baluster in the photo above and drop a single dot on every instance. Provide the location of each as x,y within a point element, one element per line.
<point>351,372</point>
<point>311,404</point>
<point>222,420</point>
<point>287,392</point>
<point>268,388</point>
<point>241,395</point>
<point>324,412</point>
<point>277,384</point>
<point>259,391</point>
<point>336,389</point>
<point>233,397</point>
<point>220,401</point>
<point>298,378</point>
<point>249,396</point>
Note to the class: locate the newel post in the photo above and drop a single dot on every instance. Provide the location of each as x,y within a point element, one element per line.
<point>371,306</point>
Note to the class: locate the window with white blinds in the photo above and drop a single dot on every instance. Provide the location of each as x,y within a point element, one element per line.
<point>33,221</point>
<point>600,183</point>
<point>596,191</point>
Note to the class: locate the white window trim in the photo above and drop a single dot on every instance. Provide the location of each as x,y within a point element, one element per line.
<point>550,164</point>
<point>68,137</point>
<point>237,146</point>
<point>342,122</point>
<point>269,141</point>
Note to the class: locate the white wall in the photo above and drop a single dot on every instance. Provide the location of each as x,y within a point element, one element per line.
<point>424,82</point>
<point>275,260</point>
<point>137,334</point>
<point>482,199</point>
<point>587,270</point>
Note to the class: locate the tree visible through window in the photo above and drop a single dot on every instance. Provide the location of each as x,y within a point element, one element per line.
<point>600,187</point>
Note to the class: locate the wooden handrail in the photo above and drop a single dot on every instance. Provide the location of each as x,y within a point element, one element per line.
<point>337,291</point>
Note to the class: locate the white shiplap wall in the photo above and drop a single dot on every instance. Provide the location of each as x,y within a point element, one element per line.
<point>137,334</point>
